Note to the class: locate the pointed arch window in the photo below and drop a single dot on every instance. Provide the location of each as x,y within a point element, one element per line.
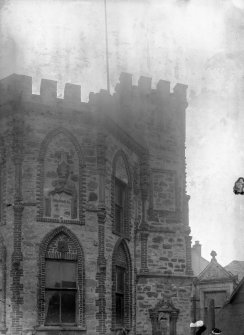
<point>120,277</point>
<point>61,292</point>
<point>61,296</point>
<point>121,195</point>
<point>121,287</point>
<point>120,205</point>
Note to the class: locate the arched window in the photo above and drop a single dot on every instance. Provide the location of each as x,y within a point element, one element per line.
<point>121,287</point>
<point>61,299</point>
<point>121,195</point>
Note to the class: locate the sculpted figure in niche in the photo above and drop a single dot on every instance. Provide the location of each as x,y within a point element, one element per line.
<point>61,201</point>
<point>163,320</point>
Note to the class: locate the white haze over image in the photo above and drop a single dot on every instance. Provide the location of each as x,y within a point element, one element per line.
<point>196,42</point>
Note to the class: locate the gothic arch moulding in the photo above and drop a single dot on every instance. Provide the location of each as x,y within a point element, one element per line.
<point>61,184</point>
<point>121,260</point>
<point>122,181</point>
<point>121,167</point>
<point>62,245</point>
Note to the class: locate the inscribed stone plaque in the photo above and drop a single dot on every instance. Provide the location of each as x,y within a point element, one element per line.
<point>163,190</point>
<point>61,185</point>
<point>61,205</point>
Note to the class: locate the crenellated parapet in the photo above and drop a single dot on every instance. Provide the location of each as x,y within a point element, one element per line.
<point>138,106</point>
<point>19,87</point>
<point>155,115</point>
<point>15,87</point>
<point>162,90</point>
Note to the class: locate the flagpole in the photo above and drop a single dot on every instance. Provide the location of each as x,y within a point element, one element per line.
<point>106,37</point>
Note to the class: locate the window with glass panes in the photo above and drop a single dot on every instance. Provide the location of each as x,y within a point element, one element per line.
<point>120,295</point>
<point>60,292</point>
<point>120,198</point>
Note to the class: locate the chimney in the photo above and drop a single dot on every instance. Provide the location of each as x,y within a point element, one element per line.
<point>198,248</point>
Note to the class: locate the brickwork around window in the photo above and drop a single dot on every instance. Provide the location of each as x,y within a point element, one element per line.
<point>16,272</point>
<point>101,315</point>
<point>62,244</point>
<point>2,183</point>
<point>144,251</point>
<point>128,197</point>
<point>121,257</point>
<point>3,254</point>
<point>81,178</point>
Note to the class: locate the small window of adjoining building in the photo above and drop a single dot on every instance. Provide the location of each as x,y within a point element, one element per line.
<point>61,292</point>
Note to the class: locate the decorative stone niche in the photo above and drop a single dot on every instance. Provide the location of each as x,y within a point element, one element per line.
<point>163,318</point>
<point>61,183</point>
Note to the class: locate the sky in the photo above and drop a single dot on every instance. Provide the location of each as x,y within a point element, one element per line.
<point>196,42</point>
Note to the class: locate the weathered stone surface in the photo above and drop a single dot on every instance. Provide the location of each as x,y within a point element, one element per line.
<point>58,162</point>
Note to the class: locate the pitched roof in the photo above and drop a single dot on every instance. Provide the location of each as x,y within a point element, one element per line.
<point>236,290</point>
<point>199,263</point>
<point>214,271</point>
<point>236,268</point>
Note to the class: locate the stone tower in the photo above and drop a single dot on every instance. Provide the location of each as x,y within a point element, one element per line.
<point>94,211</point>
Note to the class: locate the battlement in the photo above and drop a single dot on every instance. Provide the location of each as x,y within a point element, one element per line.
<point>19,87</point>
<point>125,87</point>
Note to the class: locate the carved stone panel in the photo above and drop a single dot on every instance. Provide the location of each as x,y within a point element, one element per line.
<point>163,192</point>
<point>61,247</point>
<point>61,178</point>
<point>163,318</point>
<point>164,323</point>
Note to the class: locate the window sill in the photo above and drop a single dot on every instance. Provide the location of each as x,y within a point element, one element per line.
<point>49,219</point>
<point>117,327</point>
<point>49,329</point>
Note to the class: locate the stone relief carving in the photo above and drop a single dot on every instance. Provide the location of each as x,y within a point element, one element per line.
<point>61,180</point>
<point>163,318</point>
<point>163,185</point>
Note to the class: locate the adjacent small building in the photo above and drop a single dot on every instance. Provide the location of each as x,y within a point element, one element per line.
<point>231,316</point>
<point>236,268</point>
<point>212,288</point>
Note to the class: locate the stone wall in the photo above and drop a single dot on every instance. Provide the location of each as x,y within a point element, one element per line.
<point>154,289</point>
<point>56,146</point>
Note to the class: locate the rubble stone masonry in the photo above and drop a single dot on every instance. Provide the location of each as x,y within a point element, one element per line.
<point>59,160</point>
